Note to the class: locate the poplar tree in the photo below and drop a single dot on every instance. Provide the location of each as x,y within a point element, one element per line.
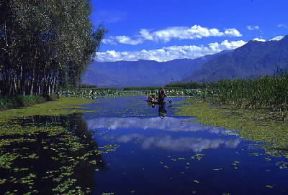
<point>44,44</point>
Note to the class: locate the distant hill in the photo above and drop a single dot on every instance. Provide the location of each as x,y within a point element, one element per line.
<point>252,60</point>
<point>140,73</point>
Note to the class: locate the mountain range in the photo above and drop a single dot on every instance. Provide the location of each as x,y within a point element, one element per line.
<point>252,60</point>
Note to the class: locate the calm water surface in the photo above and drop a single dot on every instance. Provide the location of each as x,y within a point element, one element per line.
<point>161,153</point>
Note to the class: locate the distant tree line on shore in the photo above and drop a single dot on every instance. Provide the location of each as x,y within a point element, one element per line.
<point>44,45</point>
<point>187,85</point>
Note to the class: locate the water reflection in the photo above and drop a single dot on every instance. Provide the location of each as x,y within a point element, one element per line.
<point>176,124</point>
<point>177,144</point>
<point>162,110</point>
<point>177,155</point>
<point>57,155</point>
<point>169,133</point>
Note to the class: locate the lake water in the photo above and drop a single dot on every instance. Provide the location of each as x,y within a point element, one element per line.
<point>125,146</point>
<point>161,153</point>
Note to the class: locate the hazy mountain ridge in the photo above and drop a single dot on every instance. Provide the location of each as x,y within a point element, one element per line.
<point>140,73</point>
<point>252,60</point>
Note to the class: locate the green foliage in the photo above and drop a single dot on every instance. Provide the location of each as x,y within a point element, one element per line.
<point>62,106</point>
<point>20,101</point>
<point>266,92</point>
<point>44,44</point>
<point>187,85</point>
<point>99,92</point>
<point>269,92</point>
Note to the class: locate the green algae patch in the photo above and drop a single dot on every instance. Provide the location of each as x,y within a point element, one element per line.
<point>62,106</point>
<point>256,125</point>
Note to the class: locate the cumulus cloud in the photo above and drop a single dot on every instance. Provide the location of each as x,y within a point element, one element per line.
<point>253,27</point>
<point>181,33</point>
<point>170,53</point>
<point>123,40</point>
<point>176,32</point>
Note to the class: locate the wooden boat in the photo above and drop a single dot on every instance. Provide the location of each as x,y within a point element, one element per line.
<point>155,102</point>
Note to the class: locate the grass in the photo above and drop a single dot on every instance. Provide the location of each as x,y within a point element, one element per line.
<point>267,92</point>
<point>62,106</point>
<point>20,101</point>
<point>256,125</point>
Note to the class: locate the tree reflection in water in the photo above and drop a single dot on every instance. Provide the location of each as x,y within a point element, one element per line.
<point>51,161</point>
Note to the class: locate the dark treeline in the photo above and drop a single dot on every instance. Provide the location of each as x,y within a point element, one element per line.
<point>141,88</point>
<point>187,85</point>
<point>44,45</point>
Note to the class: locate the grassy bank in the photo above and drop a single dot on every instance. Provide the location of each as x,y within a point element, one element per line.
<point>20,101</point>
<point>48,145</point>
<point>62,106</point>
<point>257,124</point>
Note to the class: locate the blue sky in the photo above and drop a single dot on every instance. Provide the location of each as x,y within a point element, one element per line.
<point>164,30</point>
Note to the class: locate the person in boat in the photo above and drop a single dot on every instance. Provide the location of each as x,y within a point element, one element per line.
<point>161,96</point>
<point>152,98</point>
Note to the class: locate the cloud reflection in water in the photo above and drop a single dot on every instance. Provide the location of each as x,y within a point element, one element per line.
<point>211,137</point>
<point>167,124</point>
<point>177,144</point>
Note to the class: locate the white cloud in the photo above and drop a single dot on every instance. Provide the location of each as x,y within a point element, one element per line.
<point>181,33</point>
<point>123,40</point>
<point>259,40</point>
<point>176,32</point>
<point>232,32</point>
<point>277,38</point>
<point>282,26</point>
<point>253,27</point>
<point>170,53</point>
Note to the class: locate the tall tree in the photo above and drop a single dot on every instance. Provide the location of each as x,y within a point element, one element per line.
<point>44,44</point>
